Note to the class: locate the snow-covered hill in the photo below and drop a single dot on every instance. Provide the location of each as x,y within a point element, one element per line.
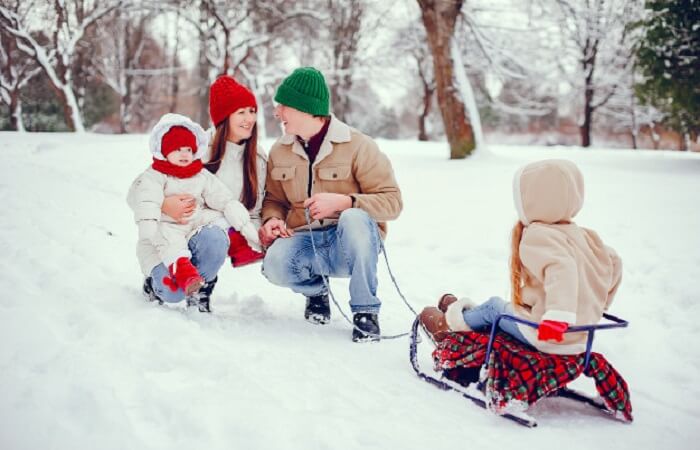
<point>86,363</point>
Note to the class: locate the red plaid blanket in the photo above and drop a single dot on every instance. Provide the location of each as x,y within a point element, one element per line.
<point>520,375</point>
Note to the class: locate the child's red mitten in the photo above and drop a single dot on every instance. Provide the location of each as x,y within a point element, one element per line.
<point>551,329</point>
<point>239,251</point>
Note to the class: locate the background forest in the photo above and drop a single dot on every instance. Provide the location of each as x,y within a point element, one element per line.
<point>614,73</point>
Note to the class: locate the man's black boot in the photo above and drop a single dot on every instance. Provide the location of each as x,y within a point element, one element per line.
<point>366,327</point>
<point>318,310</point>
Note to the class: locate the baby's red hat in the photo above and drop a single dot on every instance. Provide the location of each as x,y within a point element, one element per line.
<point>176,138</point>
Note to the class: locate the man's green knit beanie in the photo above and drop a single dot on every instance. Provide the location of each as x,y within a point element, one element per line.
<point>306,90</point>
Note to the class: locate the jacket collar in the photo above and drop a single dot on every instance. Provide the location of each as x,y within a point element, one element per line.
<point>338,132</point>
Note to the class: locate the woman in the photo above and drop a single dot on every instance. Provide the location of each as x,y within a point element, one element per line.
<point>237,160</point>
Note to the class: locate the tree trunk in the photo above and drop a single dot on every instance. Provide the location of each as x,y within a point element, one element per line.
<point>345,26</point>
<point>259,92</point>
<point>423,116</point>
<point>467,95</point>
<point>203,73</point>
<point>340,99</point>
<point>587,117</point>
<point>428,91</point>
<point>439,18</point>
<point>586,126</point>
<point>122,115</point>
<point>634,130</point>
<point>203,96</point>
<point>655,139</point>
<point>69,103</point>
<point>633,135</point>
<point>175,76</point>
<point>16,112</point>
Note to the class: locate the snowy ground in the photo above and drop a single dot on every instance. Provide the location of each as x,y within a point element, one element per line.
<point>86,363</point>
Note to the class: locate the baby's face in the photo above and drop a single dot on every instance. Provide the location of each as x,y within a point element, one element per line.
<point>182,157</point>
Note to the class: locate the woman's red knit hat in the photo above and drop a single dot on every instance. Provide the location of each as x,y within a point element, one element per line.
<point>226,96</point>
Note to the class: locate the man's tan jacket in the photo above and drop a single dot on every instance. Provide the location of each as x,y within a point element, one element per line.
<point>348,162</point>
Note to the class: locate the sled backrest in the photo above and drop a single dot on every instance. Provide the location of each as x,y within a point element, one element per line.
<point>614,322</point>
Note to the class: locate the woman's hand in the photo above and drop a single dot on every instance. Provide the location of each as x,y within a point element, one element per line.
<point>273,229</point>
<point>179,207</point>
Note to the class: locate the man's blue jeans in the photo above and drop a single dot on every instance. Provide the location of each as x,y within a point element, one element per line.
<point>350,249</point>
<point>209,247</point>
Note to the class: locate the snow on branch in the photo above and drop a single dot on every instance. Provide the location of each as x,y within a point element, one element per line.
<point>467,94</point>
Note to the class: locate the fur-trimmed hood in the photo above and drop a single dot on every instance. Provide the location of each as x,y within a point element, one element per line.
<point>171,120</point>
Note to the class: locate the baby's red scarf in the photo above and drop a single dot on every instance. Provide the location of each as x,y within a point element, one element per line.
<point>169,168</point>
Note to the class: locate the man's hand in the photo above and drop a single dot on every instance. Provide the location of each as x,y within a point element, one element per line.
<point>324,205</point>
<point>179,207</point>
<point>273,229</point>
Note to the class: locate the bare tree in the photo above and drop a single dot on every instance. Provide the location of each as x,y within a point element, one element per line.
<point>412,41</point>
<point>344,26</point>
<point>439,18</point>
<point>120,58</point>
<point>241,41</point>
<point>623,112</point>
<point>16,69</point>
<point>66,25</point>
<point>173,50</point>
<point>502,51</point>
<point>595,33</point>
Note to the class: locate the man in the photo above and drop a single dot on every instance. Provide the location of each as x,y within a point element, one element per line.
<point>347,184</point>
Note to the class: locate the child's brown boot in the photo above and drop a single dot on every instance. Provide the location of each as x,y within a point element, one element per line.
<point>433,322</point>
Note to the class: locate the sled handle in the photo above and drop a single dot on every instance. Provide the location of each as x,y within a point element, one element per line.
<point>614,322</point>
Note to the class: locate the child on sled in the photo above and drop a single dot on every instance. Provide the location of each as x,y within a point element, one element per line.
<point>561,274</point>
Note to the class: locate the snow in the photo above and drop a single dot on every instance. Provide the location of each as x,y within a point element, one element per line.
<point>86,363</point>
<point>464,88</point>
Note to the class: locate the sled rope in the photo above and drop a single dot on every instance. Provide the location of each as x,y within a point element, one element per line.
<point>330,292</point>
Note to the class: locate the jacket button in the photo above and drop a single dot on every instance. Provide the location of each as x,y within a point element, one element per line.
<point>284,175</point>
<point>335,175</point>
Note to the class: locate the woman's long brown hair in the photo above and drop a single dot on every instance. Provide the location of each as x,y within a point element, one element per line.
<point>516,266</point>
<point>249,196</point>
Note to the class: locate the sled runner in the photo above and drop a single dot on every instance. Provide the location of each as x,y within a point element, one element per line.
<point>506,376</point>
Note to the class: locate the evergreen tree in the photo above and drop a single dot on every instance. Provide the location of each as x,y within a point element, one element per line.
<point>669,58</point>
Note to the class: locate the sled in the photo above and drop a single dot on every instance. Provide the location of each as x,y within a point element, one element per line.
<point>476,382</point>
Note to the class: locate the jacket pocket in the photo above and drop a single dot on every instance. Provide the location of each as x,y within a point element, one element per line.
<point>338,173</point>
<point>291,182</point>
<point>283,173</point>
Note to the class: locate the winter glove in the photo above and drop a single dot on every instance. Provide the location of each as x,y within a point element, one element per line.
<point>250,233</point>
<point>239,251</point>
<point>237,215</point>
<point>183,275</point>
<point>551,329</point>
